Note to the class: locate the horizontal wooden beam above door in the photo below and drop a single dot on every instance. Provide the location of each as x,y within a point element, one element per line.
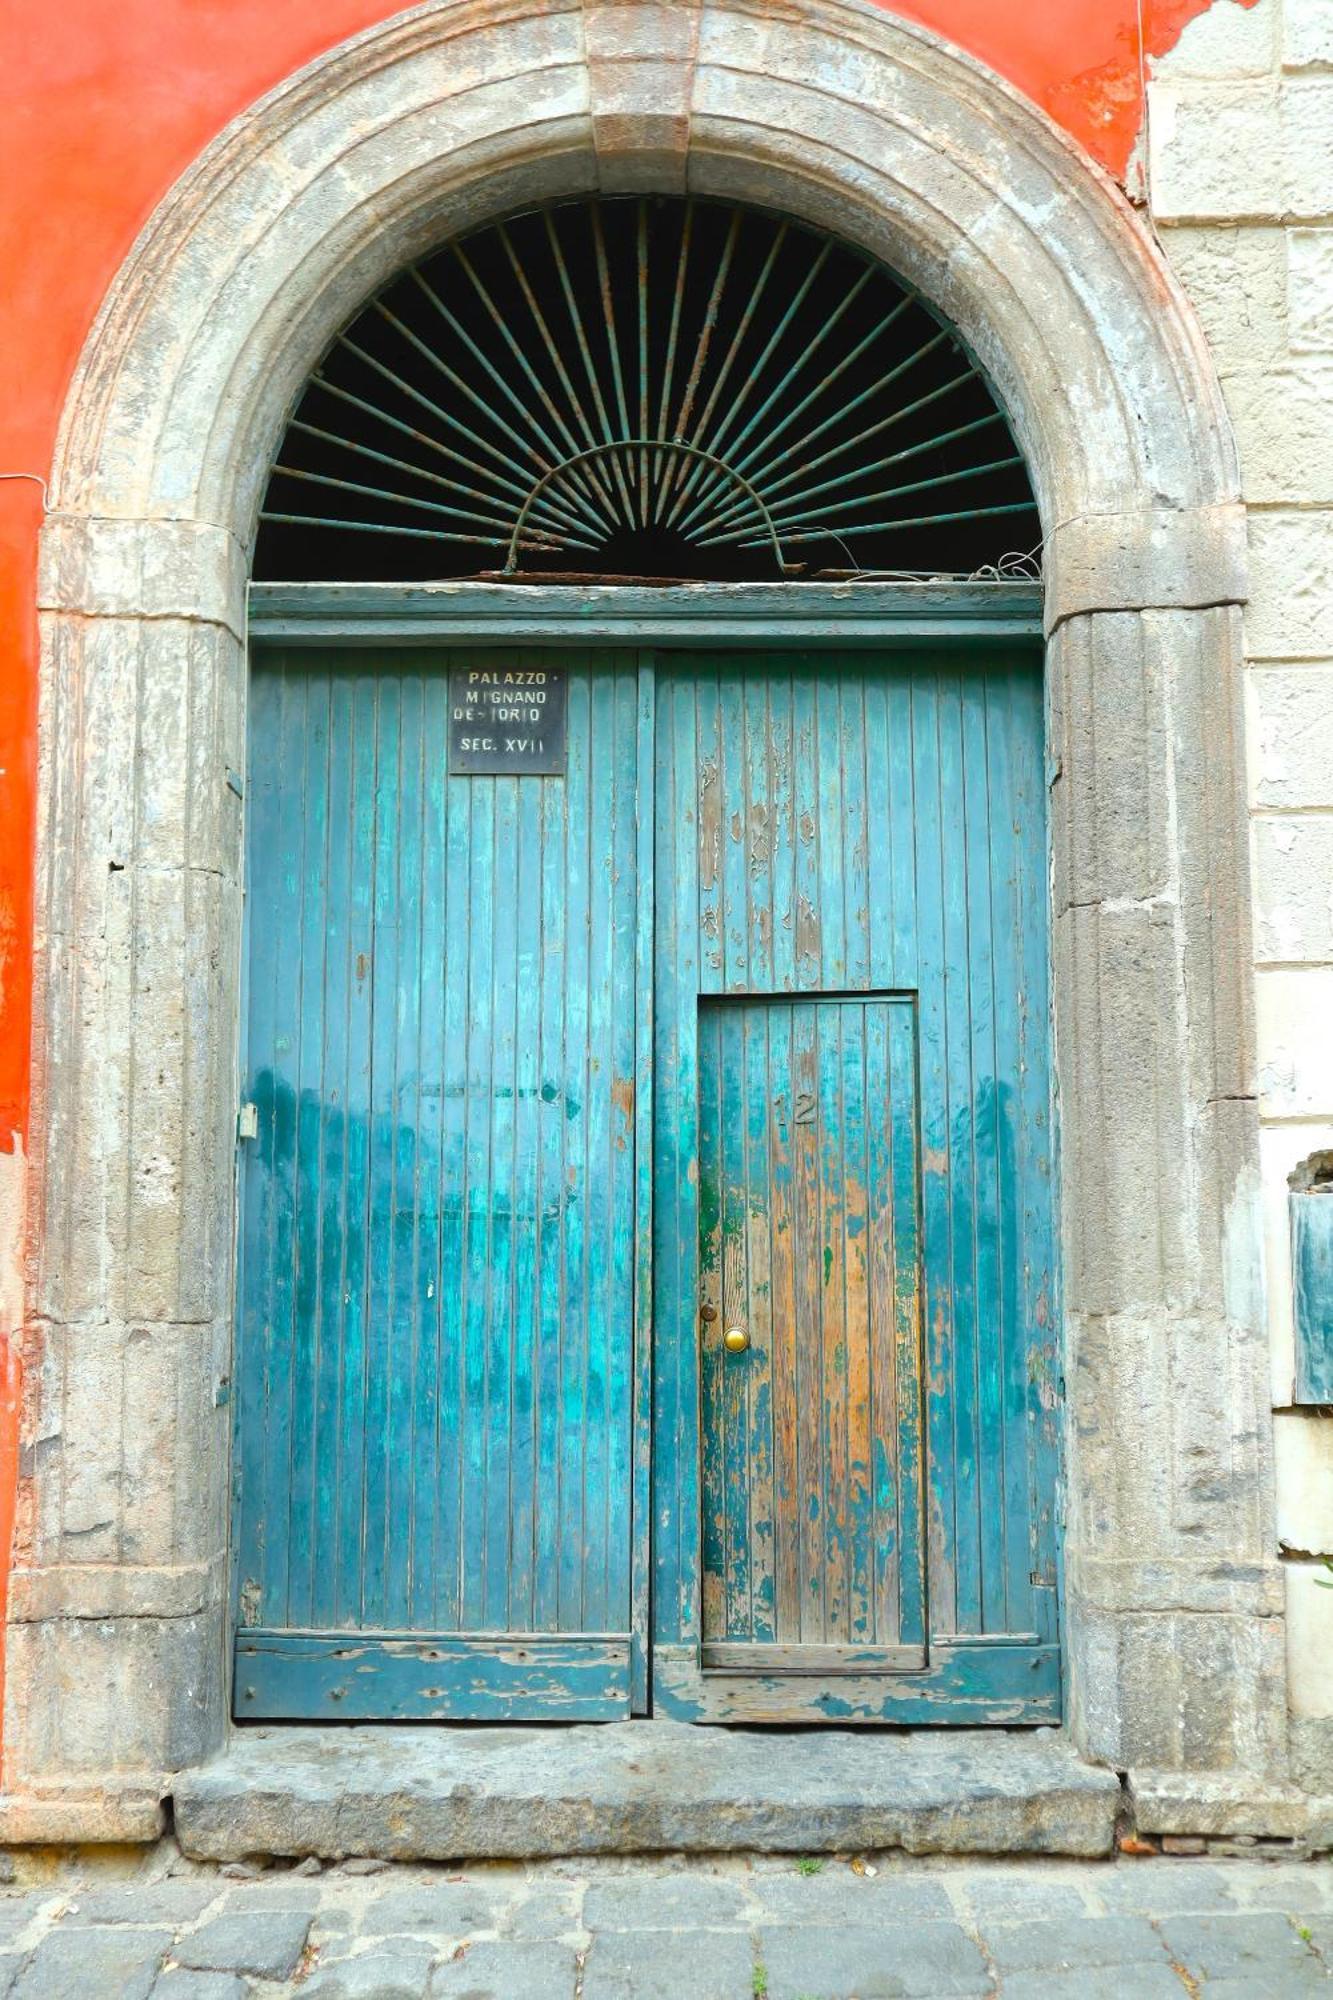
<point>878,614</point>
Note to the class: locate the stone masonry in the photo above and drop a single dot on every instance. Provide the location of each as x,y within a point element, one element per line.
<point>1240,175</point>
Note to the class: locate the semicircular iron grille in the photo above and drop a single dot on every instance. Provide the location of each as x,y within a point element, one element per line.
<point>652,388</point>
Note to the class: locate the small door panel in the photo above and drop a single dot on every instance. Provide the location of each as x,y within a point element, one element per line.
<point>813,1545</point>
<point>436,1327</point>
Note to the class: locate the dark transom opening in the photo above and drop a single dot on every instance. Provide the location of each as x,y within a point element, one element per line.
<point>645,388</point>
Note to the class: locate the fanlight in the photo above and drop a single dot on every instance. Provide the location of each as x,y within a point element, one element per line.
<point>645,386</point>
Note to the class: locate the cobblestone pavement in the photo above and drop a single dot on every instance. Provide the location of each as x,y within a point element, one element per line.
<point>740,1928</point>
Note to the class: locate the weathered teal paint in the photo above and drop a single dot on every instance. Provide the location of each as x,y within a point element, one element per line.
<point>1311,1212</point>
<point>839,825</point>
<point>505,1039</point>
<point>438,1214</point>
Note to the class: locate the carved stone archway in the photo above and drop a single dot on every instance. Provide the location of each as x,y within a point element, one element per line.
<point>442,117</point>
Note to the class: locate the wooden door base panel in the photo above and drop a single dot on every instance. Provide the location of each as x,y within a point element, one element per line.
<point>758,1657</point>
<point>978,1684</point>
<point>430,1677</point>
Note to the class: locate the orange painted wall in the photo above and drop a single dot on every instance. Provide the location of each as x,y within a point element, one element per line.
<point>103,107</point>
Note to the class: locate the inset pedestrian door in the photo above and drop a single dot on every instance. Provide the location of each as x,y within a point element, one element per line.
<point>646,1273</point>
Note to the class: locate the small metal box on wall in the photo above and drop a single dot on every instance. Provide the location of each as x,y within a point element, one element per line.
<point>1311,1206</point>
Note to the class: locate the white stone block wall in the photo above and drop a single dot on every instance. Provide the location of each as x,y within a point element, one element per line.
<point>1240,179</point>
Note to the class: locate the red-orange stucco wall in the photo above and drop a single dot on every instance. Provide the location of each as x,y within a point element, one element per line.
<point>103,107</point>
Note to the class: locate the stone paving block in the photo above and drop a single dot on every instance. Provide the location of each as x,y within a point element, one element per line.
<point>836,1896</point>
<point>182,1984</point>
<point>668,1965</point>
<point>1146,1982</point>
<point>449,1909</point>
<point>266,1944</point>
<point>513,1971</point>
<point>1163,1888</point>
<point>929,1960</point>
<point>288,1891</point>
<point>17,1912</point>
<point>1005,1896</point>
<point>77,1964</point>
<point>1263,1887</point>
<point>1065,1943</point>
<point>547,1912</point>
<point>392,1969</point>
<point>166,1902</point>
<point>1251,1944</point>
<point>1283,1982</point>
<point>662,1903</point>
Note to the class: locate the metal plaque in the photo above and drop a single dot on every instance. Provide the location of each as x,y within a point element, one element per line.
<point>507,722</point>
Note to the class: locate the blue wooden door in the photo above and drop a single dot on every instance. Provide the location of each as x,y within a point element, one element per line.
<point>435,1339</point>
<point>855,1515</point>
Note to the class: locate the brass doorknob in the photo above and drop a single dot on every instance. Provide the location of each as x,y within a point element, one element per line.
<point>736,1339</point>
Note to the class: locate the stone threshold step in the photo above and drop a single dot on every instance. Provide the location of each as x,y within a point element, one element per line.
<point>461,1793</point>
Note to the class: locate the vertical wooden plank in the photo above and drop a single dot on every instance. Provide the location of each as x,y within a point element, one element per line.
<point>986,838</point>
<point>832,1283</point>
<point>336,1149</point>
<point>306,1002</point>
<point>886,1448</point>
<point>400,1336</point>
<point>429,1474</point>
<point>642,1392</point>
<point>524,1495</point>
<point>856,1340</point>
<point>600,1181</point>
<point>711,1325</point>
<point>477,1197</point>
<point>705,781</point>
<point>1006,943</point>
<point>883,864</point>
<point>806,812</point>
<point>453,1437</point>
<point>553,1200</point>
<point>691,980</point>
<point>357,1338</point>
<point>852,682</point>
<point>915,1583</point>
<point>383,1150</point>
<point>784,1251</point>
<point>934,1113</point>
<point>830,823</point>
<point>757,1364</point>
<point>618,1526</point>
<point>576,1085</point>
<point>735,911</point>
<point>807,1236</point>
<point>502,916</point>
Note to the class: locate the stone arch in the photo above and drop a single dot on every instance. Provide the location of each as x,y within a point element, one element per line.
<point>445,116</point>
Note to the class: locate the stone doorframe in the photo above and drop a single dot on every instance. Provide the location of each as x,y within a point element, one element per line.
<point>442,118</point>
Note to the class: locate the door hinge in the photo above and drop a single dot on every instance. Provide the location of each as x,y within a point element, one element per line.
<point>247,1122</point>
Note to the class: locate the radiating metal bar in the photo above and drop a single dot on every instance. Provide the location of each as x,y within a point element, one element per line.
<point>845,410</point>
<point>609,327</point>
<point>892,527</point>
<point>669,365</point>
<point>571,303</point>
<point>755,375</point>
<point>803,519</point>
<point>513,486</point>
<point>641,245</point>
<point>747,461</point>
<point>384,493</point>
<point>451,320</point>
<point>556,359</point>
<point>802,360</point>
<point>562,518</point>
<point>464,387</point>
<point>706,331</point>
<point>445,416</point>
<point>380,528</point>
<point>895,416</point>
<point>878,464</point>
<point>743,325</point>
